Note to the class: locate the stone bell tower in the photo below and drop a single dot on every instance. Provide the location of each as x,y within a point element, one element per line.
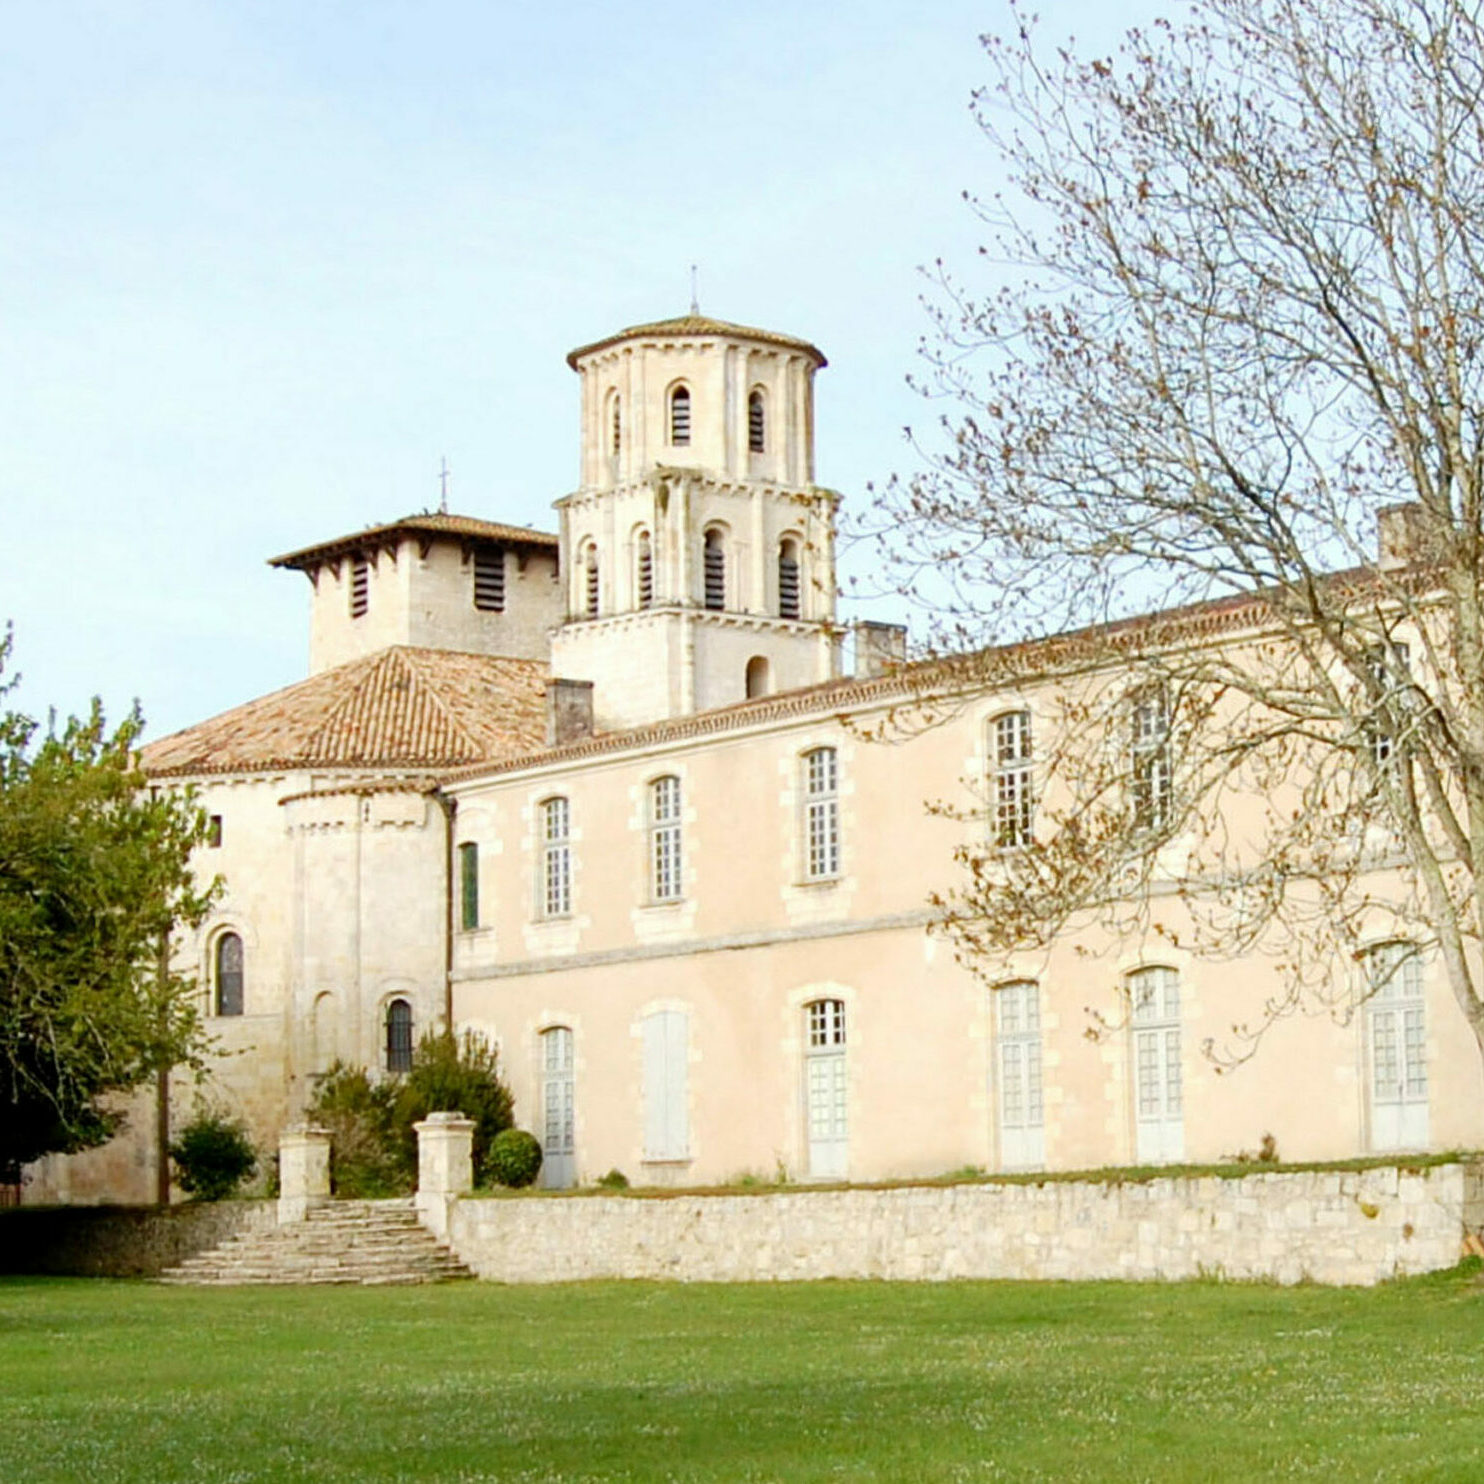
<point>698,553</point>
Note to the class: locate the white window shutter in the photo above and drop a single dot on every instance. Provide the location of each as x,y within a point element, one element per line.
<point>666,1036</point>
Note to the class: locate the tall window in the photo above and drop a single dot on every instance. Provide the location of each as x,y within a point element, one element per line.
<point>1396,1024</point>
<point>666,1035</point>
<point>788,579</point>
<point>680,416</point>
<point>644,569</point>
<point>360,586</point>
<point>229,974</point>
<point>556,858</point>
<point>489,579</point>
<point>821,814</point>
<point>1018,1062</point>
<point>826,1087</point>
<point>558,1115</point>
<point>1154,1014</point>
<point>1389,665</point>
<point>399,1036</point>
<point>469,886</point>
<point>757,428</point>
<point>714,561</point>
<point>1152,768</point>
<point>590,581</point>
<point>615,424</point>
<point>1014,801</point>
<point>664,839</point>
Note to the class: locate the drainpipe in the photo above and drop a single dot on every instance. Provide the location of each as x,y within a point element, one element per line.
<point>162,1092</point>
<point>450,808</point>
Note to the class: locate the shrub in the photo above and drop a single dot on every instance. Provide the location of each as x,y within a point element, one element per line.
<point>613,1180</point>
<point>514,1158</point>
<point>367,1160</point>
<point>213,1156</point>
<point>454,1074</point>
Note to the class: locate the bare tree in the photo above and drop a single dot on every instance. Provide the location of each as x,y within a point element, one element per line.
<point>1243,329</point>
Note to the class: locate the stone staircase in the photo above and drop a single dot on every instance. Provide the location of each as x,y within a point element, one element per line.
<point>340,1242</point>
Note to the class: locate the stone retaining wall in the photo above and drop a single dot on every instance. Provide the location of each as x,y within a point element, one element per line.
<point>1350,1227</point>
<point>121,1241</point>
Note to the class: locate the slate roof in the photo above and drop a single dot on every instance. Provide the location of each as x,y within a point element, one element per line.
<point>400,707</point>
<point>697,326</point>
<point>432,524</point>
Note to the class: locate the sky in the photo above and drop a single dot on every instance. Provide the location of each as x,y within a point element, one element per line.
<point>264,265</point>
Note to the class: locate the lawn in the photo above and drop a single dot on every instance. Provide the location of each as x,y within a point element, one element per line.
<point>104,1381</point>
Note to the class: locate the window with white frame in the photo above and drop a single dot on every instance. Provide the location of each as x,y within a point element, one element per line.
<point>556,858</point>
<point>1154,1015</point>
<point>558,1107</point>
<point>826,1088</point>
<point>821,814</point>
<point>1396,1033</point>
<point>666,1039</point>
<point>1151,763</point>
<point>665,883</point>
<point>1014,799</point>
<point>1018,1064</point>
<point>1390,672</point>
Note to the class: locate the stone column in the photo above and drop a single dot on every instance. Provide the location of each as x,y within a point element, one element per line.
<point>445,1166</point>
<point>303,1170</point>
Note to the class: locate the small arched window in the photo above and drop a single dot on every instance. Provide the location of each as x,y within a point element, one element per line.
<point>615,423</point>
<point>229,975</point>
<point>399,1036</point>
<point>757,426</point>
<point>788,579</point>
<point>715,569</point>
<point>680,417</point>
<point>644,570</point>
<point>590,581</point>
<point>759,677</point>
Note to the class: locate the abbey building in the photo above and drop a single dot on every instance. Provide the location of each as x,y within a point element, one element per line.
<point>613,798</point>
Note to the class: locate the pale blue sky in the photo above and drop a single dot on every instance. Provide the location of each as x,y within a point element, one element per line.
<point>263,264</point>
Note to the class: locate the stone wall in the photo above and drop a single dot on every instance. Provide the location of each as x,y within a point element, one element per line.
<point>1350,1227</point>
<point>121,1241</point>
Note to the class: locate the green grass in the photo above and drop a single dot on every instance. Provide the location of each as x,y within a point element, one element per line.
<point>104,1381</point>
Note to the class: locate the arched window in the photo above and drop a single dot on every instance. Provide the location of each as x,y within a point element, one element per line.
<point>556,858</point>
<point>826,1088</point>
<point>229,974</point>
<point>1154,1014</point>
<point>664,840</point>
<point>1014,801</point>
<point>558,1120</point>
<point>757,427</point>
<point>759,677</point>
<point>590,580</point>
<point>322,1033</point>
<point>615,423</point>
<point>399,1036</point>
<point>821,814</point>
<point>788,579</point>
<point>680,416</point>
<point>714,564</point>
<point>644,570</point>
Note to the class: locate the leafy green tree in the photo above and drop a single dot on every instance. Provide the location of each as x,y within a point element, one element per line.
<point>367,1158</point>
<point>94,874</point>
<point>455,1073</point>
<point>213,1156</point>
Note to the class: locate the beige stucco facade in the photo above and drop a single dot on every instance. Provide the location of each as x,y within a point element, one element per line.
<point>698,926</point>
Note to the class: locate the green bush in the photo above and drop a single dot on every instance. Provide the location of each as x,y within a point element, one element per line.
<point>367,1161</point>
<point>514,1158</point>
<point>613,1180</point>
<point>213,1156</point>
<point>453,1074</point>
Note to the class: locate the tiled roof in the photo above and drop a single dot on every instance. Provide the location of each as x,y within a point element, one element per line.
<point>414,525</point>
<point>695,326</point>
<point>400,707</point>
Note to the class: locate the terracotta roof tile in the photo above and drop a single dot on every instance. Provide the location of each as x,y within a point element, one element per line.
<point>436,524</point>
<point>696,326</point>
<point>402,707</point>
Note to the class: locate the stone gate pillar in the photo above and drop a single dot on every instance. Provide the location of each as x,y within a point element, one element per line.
<point>445,1166</point>
<point>303,1170</point>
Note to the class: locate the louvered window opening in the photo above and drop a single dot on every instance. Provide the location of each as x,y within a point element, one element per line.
<point>664,839</point>
<point>360,587</point>
<point>489,580</point>
<point>1014,802</point>
<point>399,1036</point>
<point>788,581</point>
<point>646,571</point>
<point>680,417</point>
<point>756,424</point>
<point>469,886</point>
<point>616,431</point>
<point>715,563</point>
<point>556,859</point>
<point>591,579</point>
<point>229,974</point>
<point>821,814</point>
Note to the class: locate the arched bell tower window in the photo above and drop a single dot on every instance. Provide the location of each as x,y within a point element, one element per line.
<point>715,569</point>
<point>788,579</point>
<point>757,426</point>
<point>590,580</point>
<point>229,974</point>
<point>615,423</point>
<point>644,570</point>
<point>680,417</point>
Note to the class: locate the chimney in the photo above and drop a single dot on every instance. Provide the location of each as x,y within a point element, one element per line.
<point>879,647</point>
<point>1402,537</point>
<point>569,711</point>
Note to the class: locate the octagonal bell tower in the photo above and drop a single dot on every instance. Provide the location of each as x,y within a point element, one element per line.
<point>698,553</point>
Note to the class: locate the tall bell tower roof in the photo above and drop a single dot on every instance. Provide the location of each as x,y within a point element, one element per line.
<point>697,327</point>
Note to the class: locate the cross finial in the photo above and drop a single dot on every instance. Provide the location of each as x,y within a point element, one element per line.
<point>695,297</point>
<point>443,473</point>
